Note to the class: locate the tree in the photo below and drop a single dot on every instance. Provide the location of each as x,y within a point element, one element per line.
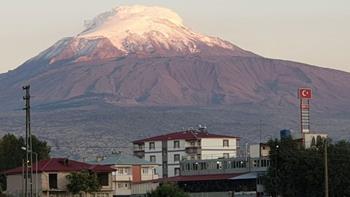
<point>168,190</point>
<point>83,181</point>
<point>12,154</point>
<point>296,171</point>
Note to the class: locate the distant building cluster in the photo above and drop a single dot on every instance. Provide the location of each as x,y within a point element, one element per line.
<point>199,162</point>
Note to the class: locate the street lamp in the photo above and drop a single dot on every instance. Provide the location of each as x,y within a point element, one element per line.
<point>36,168</point>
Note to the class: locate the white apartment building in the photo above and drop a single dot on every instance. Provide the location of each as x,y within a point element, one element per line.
<point>169,149</point>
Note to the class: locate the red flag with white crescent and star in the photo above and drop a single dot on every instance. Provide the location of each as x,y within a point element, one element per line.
<point>305,93</point>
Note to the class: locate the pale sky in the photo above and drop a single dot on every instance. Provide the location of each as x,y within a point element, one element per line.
<point>310,31</point>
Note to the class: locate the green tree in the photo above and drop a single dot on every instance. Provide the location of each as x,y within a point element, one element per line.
<point>12,154</point>
<point>168,190</point>
<point>83,181</point>
<point>296,171</point>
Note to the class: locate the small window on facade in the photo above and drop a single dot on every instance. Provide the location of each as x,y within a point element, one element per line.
<point>53,181</point>
<point>176,158</point>
<point>218,165</point>
<point>103,179</point>
<point>144,170</point>
<point>176,144</point>
<point>195,166</point>
<point>176,171</point>
<point>152,158</point>
<point>226,155</point>
<point>199,157</point>
<point>152,146</point>
<point>225,143</point>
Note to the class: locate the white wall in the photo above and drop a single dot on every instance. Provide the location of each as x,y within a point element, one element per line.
<point>213,148</point>
<point>309,136</point>
<point>254,150</point>
<point>157,144</point>
<point>171,145</point>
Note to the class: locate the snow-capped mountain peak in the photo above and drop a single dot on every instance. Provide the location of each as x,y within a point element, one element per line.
<point>137,28</point>
<point>141,30</point>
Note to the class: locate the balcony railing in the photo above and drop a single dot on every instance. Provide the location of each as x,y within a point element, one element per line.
<point>139,148</point>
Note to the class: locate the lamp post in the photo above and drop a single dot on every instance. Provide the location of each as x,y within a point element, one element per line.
<point>36,169</point>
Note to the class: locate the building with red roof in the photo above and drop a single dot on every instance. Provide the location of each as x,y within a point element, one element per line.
<point>169,149</point>
<point>50,177</point>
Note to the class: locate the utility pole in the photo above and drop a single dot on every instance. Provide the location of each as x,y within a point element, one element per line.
<point>260,132</point>
<point>326,168</point>
<point>28,143</point>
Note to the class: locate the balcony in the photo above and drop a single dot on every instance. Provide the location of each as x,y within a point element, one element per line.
<point>122,177</point>
<point>138,148</point>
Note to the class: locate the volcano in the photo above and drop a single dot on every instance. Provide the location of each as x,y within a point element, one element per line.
<point>146,56</point>
<point>139,68</point>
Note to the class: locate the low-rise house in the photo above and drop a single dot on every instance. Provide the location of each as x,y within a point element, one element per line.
<point>169,149</point>
<point>259,150</point>
<point>222,177</point>
<point>50,178</point>
<point>132,176</point>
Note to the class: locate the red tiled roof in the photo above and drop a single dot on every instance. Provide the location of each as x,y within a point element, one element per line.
<point>185,135</point>
<point>62,165</point>
<point>201,177</point>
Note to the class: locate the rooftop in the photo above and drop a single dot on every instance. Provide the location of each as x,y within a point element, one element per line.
<point>122,159</point>
<point>62,165</point>
<point>202,177</point>
<point>184,135</point>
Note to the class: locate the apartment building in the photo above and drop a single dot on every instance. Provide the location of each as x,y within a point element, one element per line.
<point>50,178</point>
<point>132,176</point>
<point>169,149</point>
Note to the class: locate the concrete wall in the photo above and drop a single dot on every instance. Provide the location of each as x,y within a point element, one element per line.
<point>181,147</point>
<point>212,148</point>
<point>15,183</point>
<point>143,188</point>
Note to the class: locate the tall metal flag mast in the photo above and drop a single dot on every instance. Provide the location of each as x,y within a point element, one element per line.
<point>304,94</point>
<point>28,143</point>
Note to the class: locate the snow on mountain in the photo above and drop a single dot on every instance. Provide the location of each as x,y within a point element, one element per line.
<point>130,28</point>
<point>141,30</point>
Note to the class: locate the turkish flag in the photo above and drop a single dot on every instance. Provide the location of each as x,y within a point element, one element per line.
<point>305,93</point>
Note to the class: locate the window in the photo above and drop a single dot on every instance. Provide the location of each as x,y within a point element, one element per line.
<point>226,155</point>
<point>152,146</point>
<point>123,171</point>
<point>53,181</point>
<point>144,170</point>
<point>152,158</point>
<point>199,157</point>
<point>203,166</point>
<point>225,143</point>
<point>123,185</point>
<point>103,179</point>
<point>218,165</point>
<point>192,143</point>
<point>176,158</point>
<point>176,144</point>
<point>195,166</point>
<point>176,171</point>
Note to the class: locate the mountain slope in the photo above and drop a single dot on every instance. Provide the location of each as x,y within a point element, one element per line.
<point>145,56</point>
